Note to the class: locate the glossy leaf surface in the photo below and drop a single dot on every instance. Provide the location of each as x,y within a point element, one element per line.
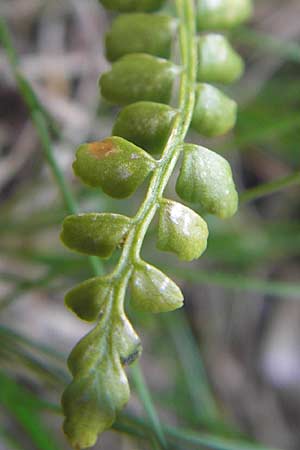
<point>139,77</point>
<point>206,179</point>
<point>99,389</point>
<point>94,233</point>
<point>152,291</point>
<point>181,231</point>
<point>114,164</point>
<point>214,113</point>
<point>220,14</point>
<point>146,124</point>
<point>140,33</point>
<point>87,299</point>
<point>218,62</point>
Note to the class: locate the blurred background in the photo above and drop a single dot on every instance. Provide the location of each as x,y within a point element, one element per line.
<point>229,364</point>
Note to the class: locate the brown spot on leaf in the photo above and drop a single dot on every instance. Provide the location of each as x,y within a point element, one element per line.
<point>101,149</point>
<point>123,240</point>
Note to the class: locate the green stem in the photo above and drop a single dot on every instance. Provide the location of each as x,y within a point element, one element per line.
<point>145,397</point>
<point>161,176</point>
<point>173,148</point>
<point>270,188</point>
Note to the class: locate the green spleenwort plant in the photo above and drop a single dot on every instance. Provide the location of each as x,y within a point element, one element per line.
<point>144,83</point>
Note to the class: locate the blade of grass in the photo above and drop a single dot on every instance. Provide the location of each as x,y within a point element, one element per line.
<point>24,410</point>
<point>265,132</point>
<point>270,188</point>
<point>44,220</point>
<point>24,285</point>
<point>129,423</point>
<point>238,282</point>
<point>254,244</point>
<point>210,441</point>
<point>49,259</point>
<point>201,397</point>
<point>144,395</point>
<point>137,430</point>
<point>188,437</point>
<point>7,333</point>
<point>40,121</point>
<point>135,426</point>
<point>48,371</point>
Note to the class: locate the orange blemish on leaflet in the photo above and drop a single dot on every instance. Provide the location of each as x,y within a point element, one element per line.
<point>101,149</point>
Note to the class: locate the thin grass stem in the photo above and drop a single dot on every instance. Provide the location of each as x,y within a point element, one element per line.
<point>270,188</point>
<point>145,397</point>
